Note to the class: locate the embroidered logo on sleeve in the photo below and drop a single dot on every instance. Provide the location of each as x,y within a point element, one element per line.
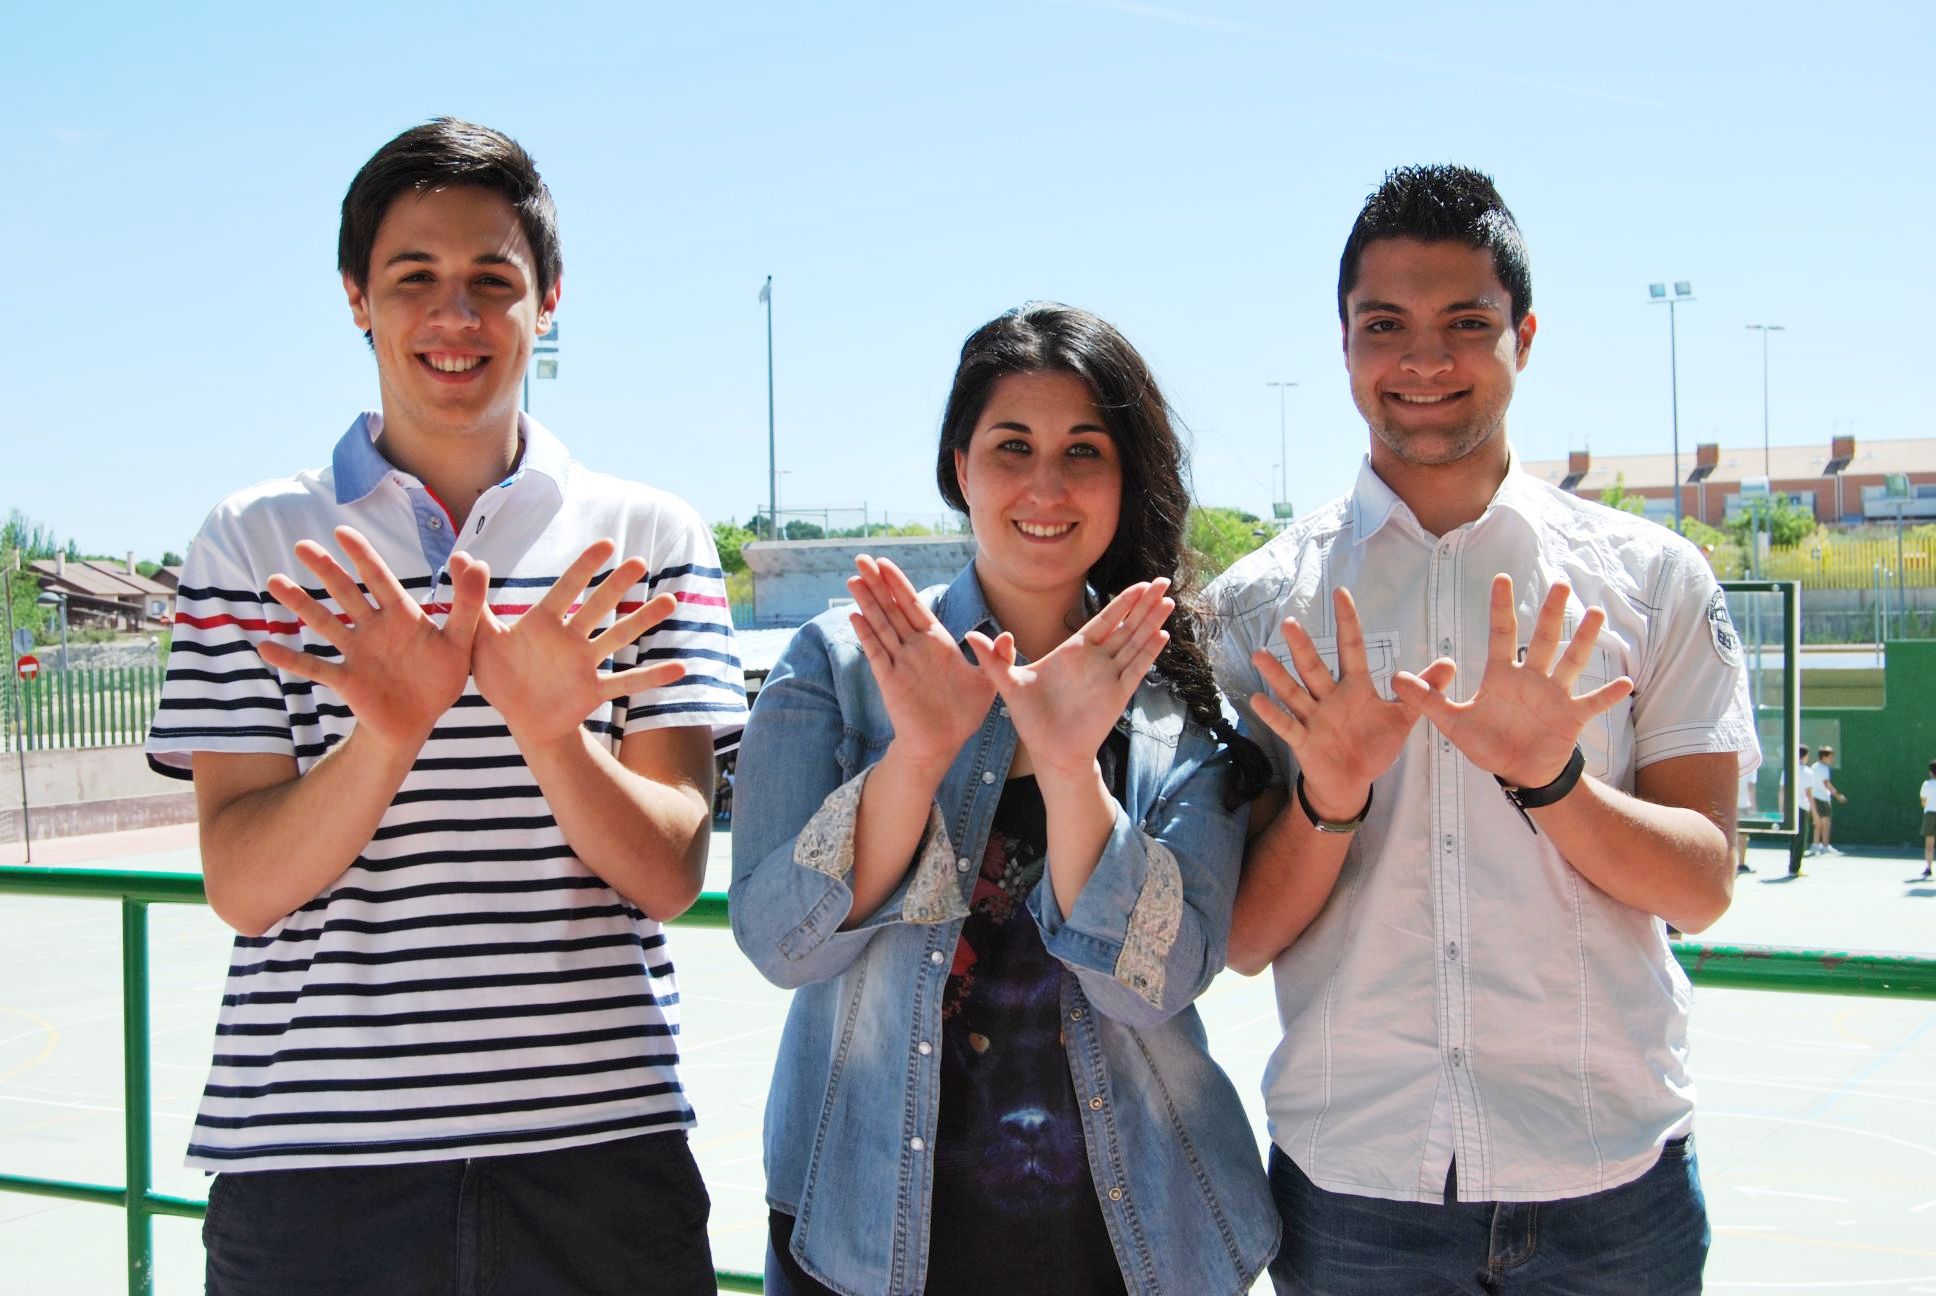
<point>1726,642</point>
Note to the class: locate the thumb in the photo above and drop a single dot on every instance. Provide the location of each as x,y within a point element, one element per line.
<point>473,583</point>
<point>1423,697</point>
<point>989,658</point>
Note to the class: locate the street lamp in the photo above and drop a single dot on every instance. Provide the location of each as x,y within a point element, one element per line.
<point>1656,294</point>
<point>52,598</point>
<point>1765,330</point>
<point>1283,452</point>
<point>772,474</point>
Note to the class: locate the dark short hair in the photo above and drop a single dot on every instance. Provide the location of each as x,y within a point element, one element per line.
<point>437,155</point>
<point>1441,203</point>
<point>1152,523</point>
<point>1825,750</point>
<point>1804,750</point>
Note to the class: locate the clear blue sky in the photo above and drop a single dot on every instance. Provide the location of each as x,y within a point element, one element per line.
<point>174,175</point>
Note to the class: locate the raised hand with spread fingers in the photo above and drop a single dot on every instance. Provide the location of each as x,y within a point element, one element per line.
<point>1343,733</point>
<point>543,672</point>
<point>1524,721</point>
<point>398,670</point>
<point>1064,705</point>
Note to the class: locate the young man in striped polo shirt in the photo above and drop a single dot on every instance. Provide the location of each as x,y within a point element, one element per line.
<point>451,781</point>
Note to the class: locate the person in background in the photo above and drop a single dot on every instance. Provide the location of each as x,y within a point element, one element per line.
<point>1826,798</point>
<point>989,837</point>
<point>1928,797</point>
<point>1804,809</point>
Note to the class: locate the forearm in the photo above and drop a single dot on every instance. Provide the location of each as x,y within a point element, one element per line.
<point>1290,869</point>
<point>645,838</point>
<point>1667,860</point>
<point>269,851</point>
<point>1081,814</point>
<point>893,814</point>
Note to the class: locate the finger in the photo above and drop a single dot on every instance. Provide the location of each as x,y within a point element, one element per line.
<point>470,586</point>
<point>869,603</point>
<point>905,596</point>
<point>311,613</point>
<point>1579,651</point>
<point>1276,719</point>
<point>633,625</point>
<point>1426,700</point>
<point>876,582</point>
<point>1502,645</point>
<point>1545,643</point>
<point>1352,659</point>
<point>1151,615</point>
<point>301,664</point>
<point>871,646</point>
<point>372,570</point>
<point>1283,685</point>
<point>1304,655</point>
<point>606,596</point>
<point>1138,663</point>
<point>335,580</point>
<point>564,591</point>
<point>988,658</point>
<point>640,679</point>
<point>1605,697</point>
<point>1100,626</point>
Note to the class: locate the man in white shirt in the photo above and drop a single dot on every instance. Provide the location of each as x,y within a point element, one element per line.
<point>1929,821</point>
<point>1483,1069</point>
<point>1822,772</point>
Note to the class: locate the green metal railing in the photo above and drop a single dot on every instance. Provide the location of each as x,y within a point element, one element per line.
<point>1746,967</point>
<point>87,706</point>
<point>136,891</point>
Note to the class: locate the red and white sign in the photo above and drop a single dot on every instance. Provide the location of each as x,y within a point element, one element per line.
<point>27,667</point>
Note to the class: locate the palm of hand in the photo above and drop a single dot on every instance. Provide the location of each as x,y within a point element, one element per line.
<point>402,674</point>
<point>1064,705</point>
<point>521,670</point>
<point>1354,732</point>
<point>1521,724</point>
<point>935,699</point>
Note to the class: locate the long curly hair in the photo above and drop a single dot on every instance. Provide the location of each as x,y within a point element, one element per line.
<point>1152,525</point>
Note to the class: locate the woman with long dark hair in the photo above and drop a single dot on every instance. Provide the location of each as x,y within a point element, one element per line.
<point>990,833</point>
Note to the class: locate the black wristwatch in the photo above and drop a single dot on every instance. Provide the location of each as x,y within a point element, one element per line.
<point>1525,798</point>
<point>1330,825</point>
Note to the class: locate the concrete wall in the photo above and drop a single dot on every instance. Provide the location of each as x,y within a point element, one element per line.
<point>92,789</point>
<point>796,580</point>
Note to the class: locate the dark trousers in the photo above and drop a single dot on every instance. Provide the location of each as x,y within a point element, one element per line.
<point>627,1215</point>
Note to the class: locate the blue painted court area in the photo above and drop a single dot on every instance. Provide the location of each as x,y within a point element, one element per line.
<point>1817,1133</point>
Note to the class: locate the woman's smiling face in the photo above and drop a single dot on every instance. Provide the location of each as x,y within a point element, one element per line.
<point>1044,484</point>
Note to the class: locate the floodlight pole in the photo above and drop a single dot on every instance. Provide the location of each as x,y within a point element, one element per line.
<point>1283,451</point>
<point>1765,330</point>
<point>19,717</point>
<point>1683,292</point>
<point>772,463</point>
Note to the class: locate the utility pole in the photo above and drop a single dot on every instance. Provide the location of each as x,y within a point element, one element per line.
<point>772,464</point>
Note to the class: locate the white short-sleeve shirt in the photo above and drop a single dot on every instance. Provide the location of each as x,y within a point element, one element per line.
<point>1465,992</point>
<point>467,986</point>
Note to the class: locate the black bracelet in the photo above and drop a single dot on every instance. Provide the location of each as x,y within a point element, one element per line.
<point>1525,798</point>
<point>1330,825</point>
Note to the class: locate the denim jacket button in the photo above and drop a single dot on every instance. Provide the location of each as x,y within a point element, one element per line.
<point>1075,1014</point>
<point>988,776</point>
<point>915,1144</point>
<point>924,1048</point>
<point>1115,1194</point>
<point>935,957</point>
<point>1095,1104</point>
<point>961,865</point>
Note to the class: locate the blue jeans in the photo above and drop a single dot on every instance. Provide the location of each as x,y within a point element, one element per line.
<point>1645,1238</point>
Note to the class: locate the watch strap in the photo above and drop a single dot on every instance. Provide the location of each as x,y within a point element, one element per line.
<point>1330,825</point>
<point>1532,798</point>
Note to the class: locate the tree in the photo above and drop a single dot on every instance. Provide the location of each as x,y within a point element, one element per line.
<point>800,529</point>
<point>1616,496</point>
<point>1786,522</point>
<point>729,538</point>
<point>169,558</point>
<point>1220,536</point>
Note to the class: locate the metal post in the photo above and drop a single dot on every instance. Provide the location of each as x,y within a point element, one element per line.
<point>1674,386</point>
<point>15,689</point>
<point>63,608</point>
<point>137,1151</point>
<point>1283,448</point>
<point>1902,597</point>
<point>772,463</point>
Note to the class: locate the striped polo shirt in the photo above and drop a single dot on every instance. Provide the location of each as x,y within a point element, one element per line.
<point>466,987</point>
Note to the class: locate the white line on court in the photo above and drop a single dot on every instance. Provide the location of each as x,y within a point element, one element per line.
<point>1757,1190</point>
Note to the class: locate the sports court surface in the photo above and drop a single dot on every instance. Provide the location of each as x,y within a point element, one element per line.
<point>1817,1129</point>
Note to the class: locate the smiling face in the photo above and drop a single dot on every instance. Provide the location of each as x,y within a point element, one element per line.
<point>1044,485</point>
<point>452,308</point>
<point>1432,351</point>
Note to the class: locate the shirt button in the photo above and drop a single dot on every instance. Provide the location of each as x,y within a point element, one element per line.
<point>1075,1014</point>
<point>961,865</point>
<point>1448,841</point>
<point>1095,1104</point>
<point>916,1143</point>
<point>1458,1057</point>
<point>924,1048</point>
<point>436,523</point>
<point>1445,548</point>
<point>1115,1194</point>
<point>1445,645</point>
<point>1452,950</point>
<point>935,957</point>
<point>988,776</point>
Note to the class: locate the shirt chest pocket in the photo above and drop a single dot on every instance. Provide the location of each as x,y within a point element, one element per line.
<point>1381,657</point>
<point>860,749</point>
<point>1607,739</point>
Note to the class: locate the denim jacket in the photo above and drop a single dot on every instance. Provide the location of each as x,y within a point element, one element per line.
<point>851,1115</point>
